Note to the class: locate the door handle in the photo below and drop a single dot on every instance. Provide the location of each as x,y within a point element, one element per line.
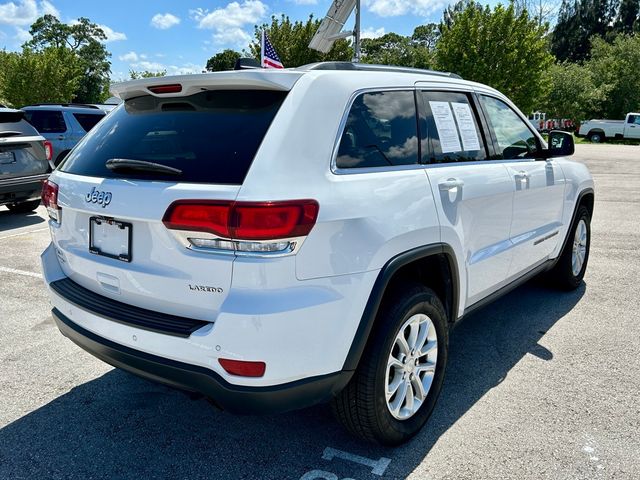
<point>60,137</point>
<point>450,184</point>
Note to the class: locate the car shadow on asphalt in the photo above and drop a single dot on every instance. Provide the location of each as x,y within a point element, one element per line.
<point>10,220</point>
<point>119,426</point>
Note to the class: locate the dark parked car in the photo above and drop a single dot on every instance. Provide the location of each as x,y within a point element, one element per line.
<point>24,156</point>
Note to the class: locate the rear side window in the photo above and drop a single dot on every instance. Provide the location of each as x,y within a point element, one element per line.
<point>514,137</point>
<point>87,120</point>
<point>46,121</point>
<point>381,130</point>
<point>211,136</point>
<point>452,127</point>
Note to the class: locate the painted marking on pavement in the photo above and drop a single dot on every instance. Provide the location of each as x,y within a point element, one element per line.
<point>20,272</point>
<point>25,233</point>
<point>378,467</point>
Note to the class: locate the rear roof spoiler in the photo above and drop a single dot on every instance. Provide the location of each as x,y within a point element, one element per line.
<point>254,79</point>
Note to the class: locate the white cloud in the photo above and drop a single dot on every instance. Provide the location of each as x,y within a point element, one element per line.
<point>25,12</point>
<point>371,33</point>
<point>49,9</point>
<point>129,57</point>
<point>228,23</point>
<point>394,8</point>
<point>112,36</point>
<point>163,21</point>
<point>184,69</point>
<point>22,35</point>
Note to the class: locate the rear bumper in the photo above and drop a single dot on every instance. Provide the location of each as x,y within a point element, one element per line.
<point>234,398</point>
<point>21,189</point>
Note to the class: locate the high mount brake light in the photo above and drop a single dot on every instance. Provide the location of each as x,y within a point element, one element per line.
<point>50,199</point>
<point>173,88</point>
<point>244,220</point>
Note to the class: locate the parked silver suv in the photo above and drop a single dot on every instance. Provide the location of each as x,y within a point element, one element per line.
<point>63,125</point>
<point>23,162</point>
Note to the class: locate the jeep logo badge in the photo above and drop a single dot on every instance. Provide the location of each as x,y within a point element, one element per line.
<point>96,196</point>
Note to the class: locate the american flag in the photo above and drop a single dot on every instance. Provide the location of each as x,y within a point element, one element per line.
<point>270,58</point>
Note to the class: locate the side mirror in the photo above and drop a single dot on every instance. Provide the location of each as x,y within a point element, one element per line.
<point>560,144</point>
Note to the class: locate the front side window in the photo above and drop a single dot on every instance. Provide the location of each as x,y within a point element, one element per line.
<point>514,138</point>
<point>46,121</point>
<point>381,131</point>
<point>451,124</point>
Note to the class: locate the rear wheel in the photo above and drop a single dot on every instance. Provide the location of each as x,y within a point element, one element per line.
<point>572,264</point>
<point>24,207</point>
<point>398,380</point>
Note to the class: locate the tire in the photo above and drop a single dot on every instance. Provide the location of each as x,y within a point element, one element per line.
<point>362,406</point>
<point>565,274</point>
<point>24,207</point>
<point>596,137</point>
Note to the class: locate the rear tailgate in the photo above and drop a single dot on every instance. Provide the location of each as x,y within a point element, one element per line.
<point>162,274</point>
<point>111,238</point>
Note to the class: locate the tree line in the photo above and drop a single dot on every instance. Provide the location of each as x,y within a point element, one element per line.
<point>586,65</point>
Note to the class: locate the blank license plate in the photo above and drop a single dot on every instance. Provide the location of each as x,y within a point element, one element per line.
<point>110,238</point>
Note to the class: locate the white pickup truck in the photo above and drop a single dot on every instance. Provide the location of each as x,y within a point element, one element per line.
<point>600,130</point>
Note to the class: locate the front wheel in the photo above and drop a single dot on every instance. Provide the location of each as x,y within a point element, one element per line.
<point>572,264</point>
<point>398,380</point>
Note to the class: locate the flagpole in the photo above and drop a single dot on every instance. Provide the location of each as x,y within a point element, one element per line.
<point>262,50</point>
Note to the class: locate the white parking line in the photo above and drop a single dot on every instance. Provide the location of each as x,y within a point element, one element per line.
<point>25,233</point>
<point>20,272</point>
<point>378,467</point>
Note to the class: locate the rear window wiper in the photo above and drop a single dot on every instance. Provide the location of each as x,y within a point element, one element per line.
<point>115,164</point>
<point>10,133</point>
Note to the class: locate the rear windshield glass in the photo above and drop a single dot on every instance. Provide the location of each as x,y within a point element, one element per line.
<point>88,120</point>
<point>211,137</point>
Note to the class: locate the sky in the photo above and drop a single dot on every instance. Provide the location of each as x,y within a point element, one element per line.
<point>179,36</point>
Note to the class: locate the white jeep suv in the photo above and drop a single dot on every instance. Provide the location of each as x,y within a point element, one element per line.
<point>276,239</point>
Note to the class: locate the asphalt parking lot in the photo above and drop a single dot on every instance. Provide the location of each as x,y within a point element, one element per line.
<point>540,385</point>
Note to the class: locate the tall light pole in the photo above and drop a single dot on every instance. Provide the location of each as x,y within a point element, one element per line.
<point>356,35</point>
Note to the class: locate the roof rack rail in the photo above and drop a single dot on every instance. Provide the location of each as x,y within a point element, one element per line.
<point>369,67</point>
<point>77,105</point>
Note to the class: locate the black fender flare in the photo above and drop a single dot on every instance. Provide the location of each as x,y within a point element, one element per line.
<point>380,286</point>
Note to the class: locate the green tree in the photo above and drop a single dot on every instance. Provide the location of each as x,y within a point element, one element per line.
<point>225,60</point>
<point>291,42</point>
<point>628,16</point>
<point>615,68</point>
<point>505,50</point>
<point>84,40</point>
<point>579,21</point>
<point>51,75</point>
<point>135,75</point>
<point>393,49</point>
<point>572,92</point>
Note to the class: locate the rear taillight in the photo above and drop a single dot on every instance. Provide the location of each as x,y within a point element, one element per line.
<point>50,200</point>
<point>48,149</point>
<point>246,226</point>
